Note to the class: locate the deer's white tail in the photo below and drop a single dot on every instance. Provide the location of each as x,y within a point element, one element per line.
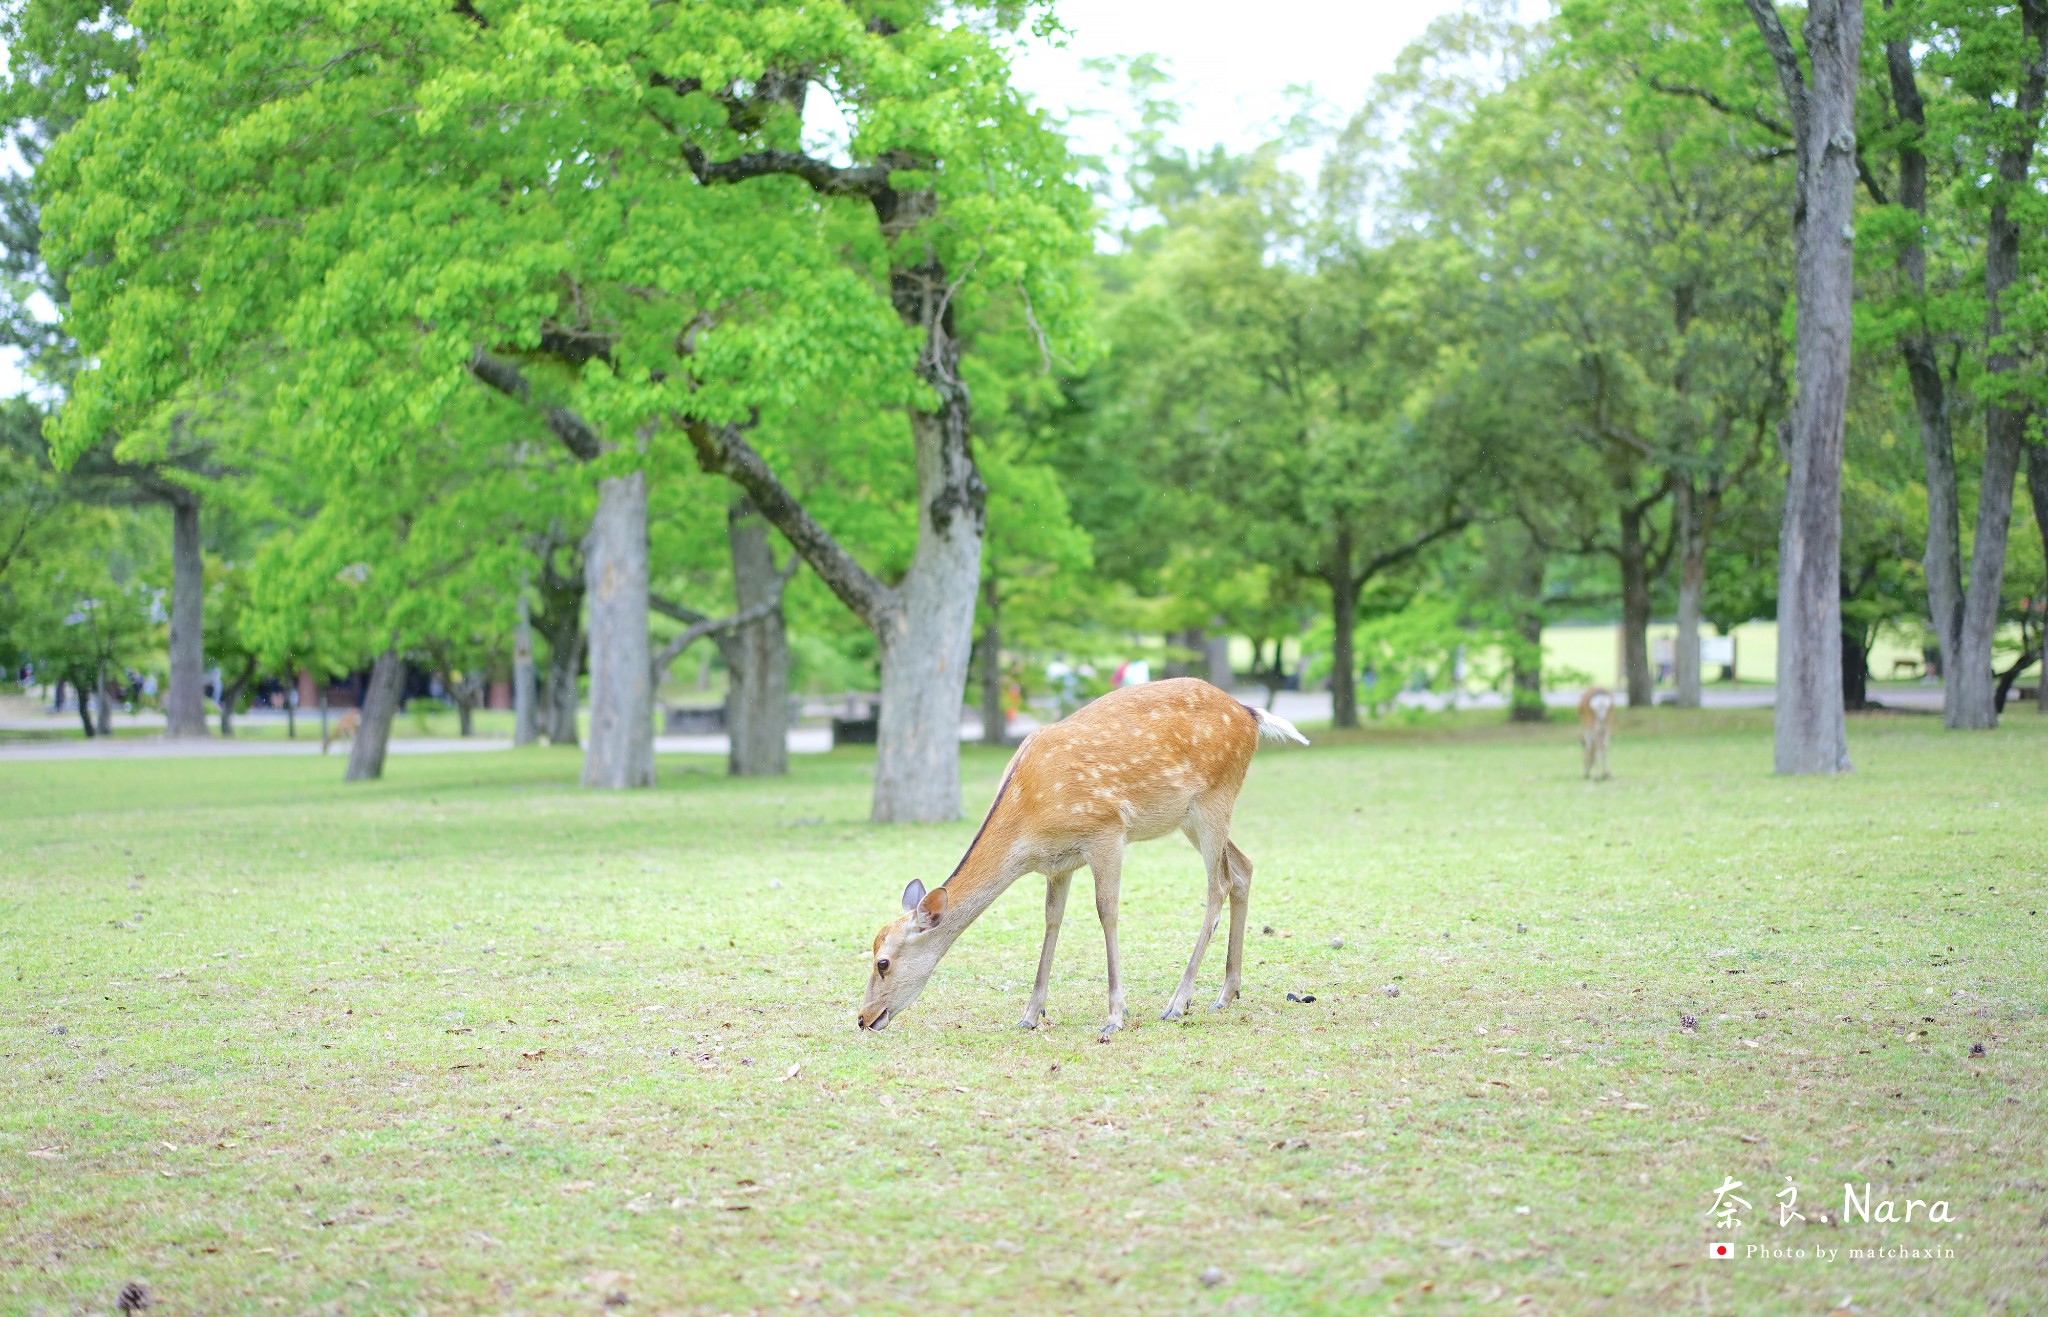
<point>1272,727</point>
<point>1602,704</point>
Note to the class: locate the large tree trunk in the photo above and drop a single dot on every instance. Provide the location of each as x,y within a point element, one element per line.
<point>621,750</point>
<point>1633,556</point>
<point>1692,590</point>
<point>380,709</point>
<point>757,704</point>
<point>995,720</point>
<point>185,697</point>
<point>1811,736</point>
<point>925,641</point>
<point>561,622</point>
<point>525,726</point>
<point>1343,636</point>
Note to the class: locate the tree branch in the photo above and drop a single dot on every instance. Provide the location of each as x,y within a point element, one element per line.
<point>1709,97</point>
<point>1790,77</point>
<point>1453,523</point>
<point>723,451</point>
<point>828,179</point>
<point>699,626</point>
<point>576,434</point>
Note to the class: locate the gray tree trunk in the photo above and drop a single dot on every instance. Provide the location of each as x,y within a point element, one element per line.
<point>1975,703</point>
<point>1633,557</point>
<point>525,726</point>
<point>621,750</point>
<point>925,641</point>
<point>757,703</point>
<point>1811,733</point>
<point>1692,590</point>
<point>1942,560</point>
<point>995,721</point>
<point>185,697</point>
<point>380,710</point>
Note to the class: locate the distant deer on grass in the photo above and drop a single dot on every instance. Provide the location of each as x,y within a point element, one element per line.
<point>344,729</point>
<point>1596,721</point>
<point>1136,764</point>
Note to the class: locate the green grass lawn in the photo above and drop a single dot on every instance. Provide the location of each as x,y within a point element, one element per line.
<point>472,1040</point>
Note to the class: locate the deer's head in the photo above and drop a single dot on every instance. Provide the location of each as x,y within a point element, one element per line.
<point>907,950</point>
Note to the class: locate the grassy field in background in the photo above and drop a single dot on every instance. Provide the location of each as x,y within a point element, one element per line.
<point>470,1040</point>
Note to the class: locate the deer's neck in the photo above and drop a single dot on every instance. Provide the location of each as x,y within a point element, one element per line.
<point>985,874</point>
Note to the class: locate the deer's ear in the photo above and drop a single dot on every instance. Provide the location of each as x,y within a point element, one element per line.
<point>913,894</point>
<point>930,911</point>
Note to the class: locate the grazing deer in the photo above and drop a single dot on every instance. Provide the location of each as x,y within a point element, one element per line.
<point>1596,721</point>
<point>344,728</point>
<point>1134,765</point>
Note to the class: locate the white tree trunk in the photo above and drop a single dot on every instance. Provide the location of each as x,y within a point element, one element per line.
<point>525,727</point>
<point>380,710</point>
<point>185,697</point>
<point>621,750</point>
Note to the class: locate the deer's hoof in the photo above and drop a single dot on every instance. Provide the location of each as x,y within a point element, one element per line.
<point>1170,1013</point>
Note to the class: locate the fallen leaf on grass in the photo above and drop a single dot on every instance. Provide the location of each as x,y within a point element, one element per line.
<point>535,1056</point>
<point>1635,1106</point>
<point>578,1186</point>
<point>792,1073</point>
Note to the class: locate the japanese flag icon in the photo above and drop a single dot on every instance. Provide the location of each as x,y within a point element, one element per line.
<point>1721,1250</point>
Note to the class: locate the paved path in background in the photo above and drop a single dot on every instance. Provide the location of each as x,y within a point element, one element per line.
<point>1300,707</point>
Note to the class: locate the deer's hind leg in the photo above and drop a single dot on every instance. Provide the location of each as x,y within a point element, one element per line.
<point>1240,871</point>
<point>1211,841</point>
<point>1055,908</point>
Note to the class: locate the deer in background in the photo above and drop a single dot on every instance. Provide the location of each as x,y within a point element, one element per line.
<point>1596,721</point>
<point>344,728</point>
<point>1136,764</point>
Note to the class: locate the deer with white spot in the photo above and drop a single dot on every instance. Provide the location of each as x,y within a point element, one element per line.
<point>1136,764</point>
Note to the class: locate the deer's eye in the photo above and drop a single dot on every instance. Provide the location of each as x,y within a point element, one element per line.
<point>882,965</point>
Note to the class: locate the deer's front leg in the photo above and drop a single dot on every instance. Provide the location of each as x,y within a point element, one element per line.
<point>1106,863</point>
<point>1055,908</point>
